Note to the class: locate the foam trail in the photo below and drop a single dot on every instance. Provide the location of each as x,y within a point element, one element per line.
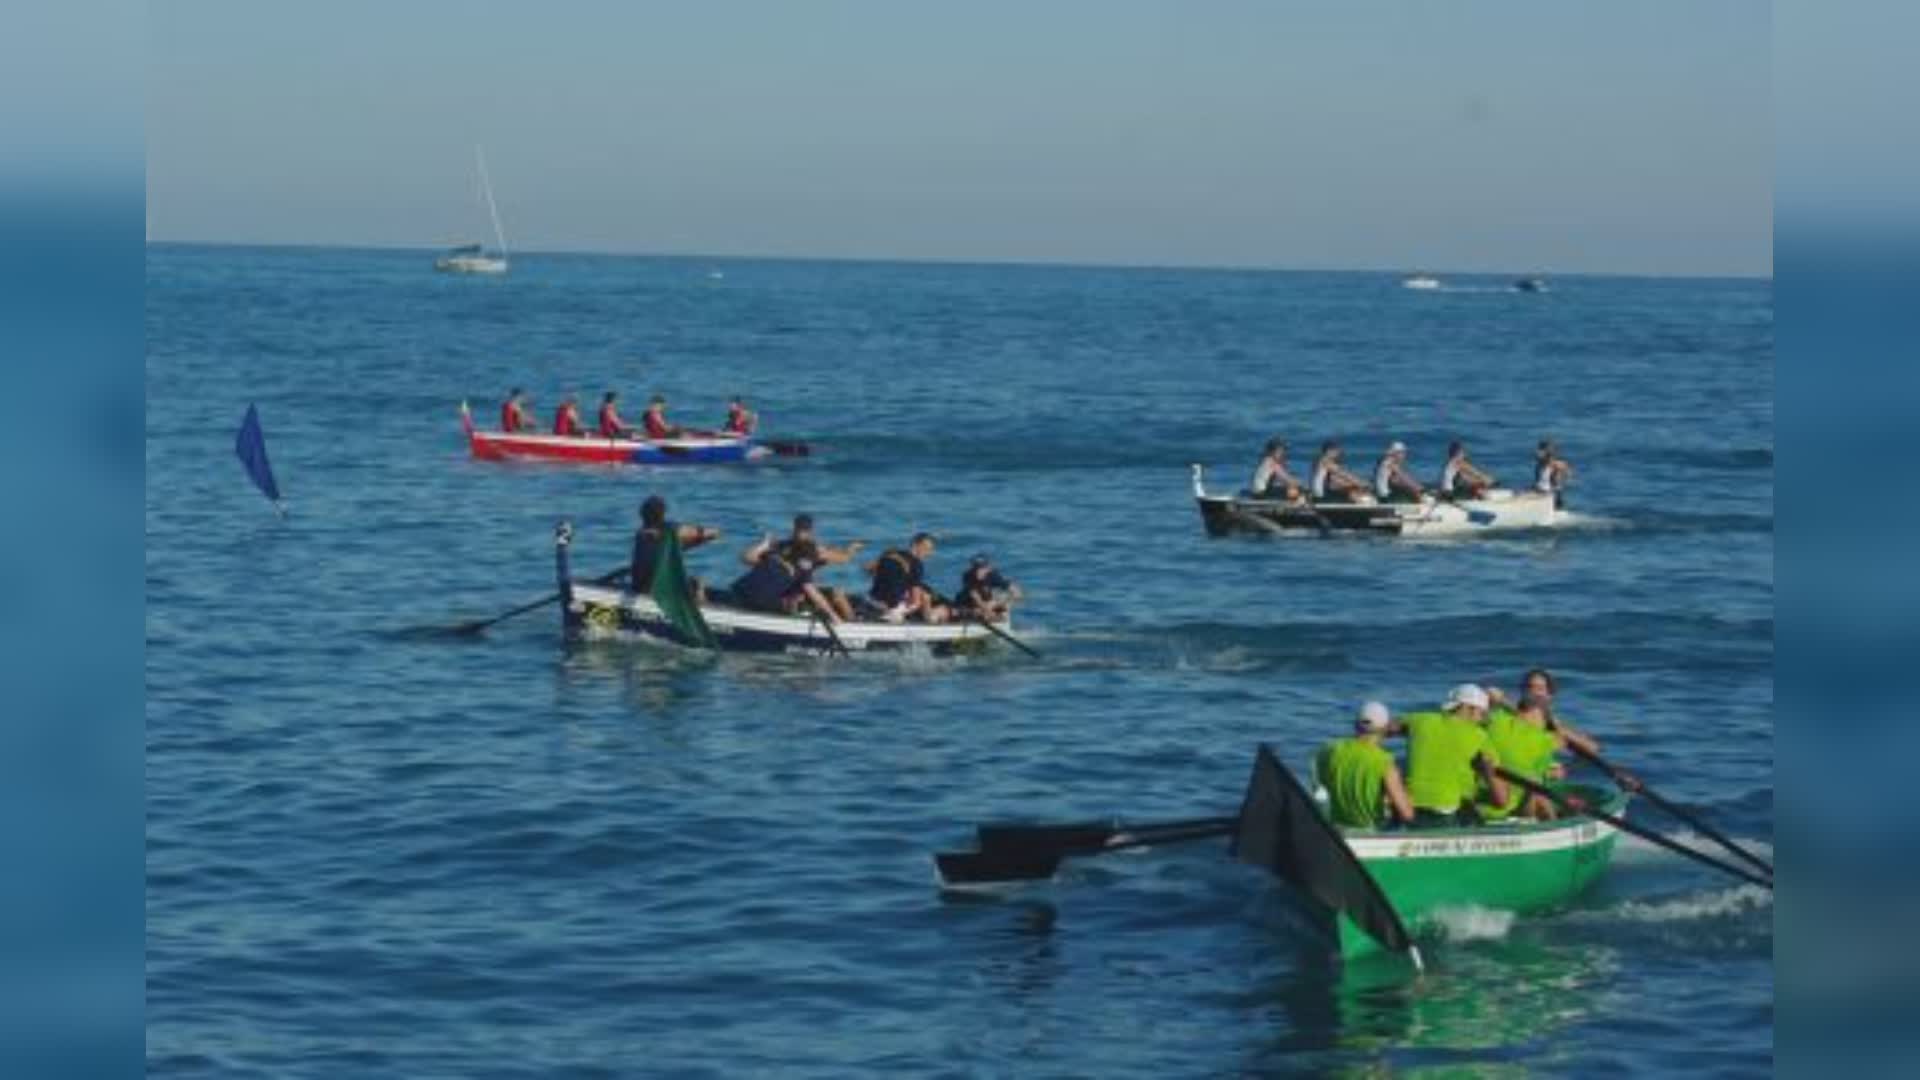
<point>1470,923</point>
<point>1633,849</point>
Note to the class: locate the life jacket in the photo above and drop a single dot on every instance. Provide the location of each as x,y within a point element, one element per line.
<point>897,573</point>
<point>509,417</point>
<point>610,425</point>
<point>737,422</point>
<point>646,553</point>
<point>566,421</point>
<point>656,425</point>
<point>771,580</point>
<point>1322,471</point>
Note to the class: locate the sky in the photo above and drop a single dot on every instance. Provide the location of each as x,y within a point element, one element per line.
<point>1632,136</point>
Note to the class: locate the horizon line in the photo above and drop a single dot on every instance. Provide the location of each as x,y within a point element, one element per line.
<point>936,260</point>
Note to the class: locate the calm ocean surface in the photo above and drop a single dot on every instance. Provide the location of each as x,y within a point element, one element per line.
<point>375,854</point>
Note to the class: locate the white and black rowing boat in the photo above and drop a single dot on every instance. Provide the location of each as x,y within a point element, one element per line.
<point>1499,509</point>
<point>592,611</point>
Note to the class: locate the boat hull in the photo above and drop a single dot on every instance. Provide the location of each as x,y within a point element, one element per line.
<point>600,613</point>
<point>1239,515</point>
<point>500,446</point>
<point>1518,867</point>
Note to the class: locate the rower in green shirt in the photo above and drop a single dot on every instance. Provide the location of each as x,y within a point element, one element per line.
<point>1448,758</point>
<point>1526,747</point>
<point>1362,782</point>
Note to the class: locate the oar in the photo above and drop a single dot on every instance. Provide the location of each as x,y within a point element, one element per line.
<point>470,628</point>
<point>1624,825</point>
<point>785,449</point>
<point>1090,836</point>
<point>1705,829</point>
<point>1004,636</point>
<point>832,634</point>
<point>1034,853</point>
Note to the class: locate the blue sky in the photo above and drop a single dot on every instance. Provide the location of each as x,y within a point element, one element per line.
<point>1632,136</point>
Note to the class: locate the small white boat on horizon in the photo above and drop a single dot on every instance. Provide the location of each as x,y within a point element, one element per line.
<point>474,258</point>
<point>1420,281</point>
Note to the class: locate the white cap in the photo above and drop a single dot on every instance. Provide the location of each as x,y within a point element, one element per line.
<point>1396,447</point>
<point>1467,694</point>
<point>1373,716</point>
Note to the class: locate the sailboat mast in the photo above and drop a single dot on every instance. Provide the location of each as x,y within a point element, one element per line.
<point>486,185</point>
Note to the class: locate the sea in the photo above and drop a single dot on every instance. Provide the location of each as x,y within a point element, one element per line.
<point>377,849</point>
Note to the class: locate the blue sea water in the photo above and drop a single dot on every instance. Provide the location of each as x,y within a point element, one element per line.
<point>371,852</point>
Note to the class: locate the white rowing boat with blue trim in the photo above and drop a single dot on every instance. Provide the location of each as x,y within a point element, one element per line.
<point>1498,510</point>
<point>592,611</point>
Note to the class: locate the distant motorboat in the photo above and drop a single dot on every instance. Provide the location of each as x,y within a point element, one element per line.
<point>473,258</point>
<point>1420,281</point>
<point>1530,284</point>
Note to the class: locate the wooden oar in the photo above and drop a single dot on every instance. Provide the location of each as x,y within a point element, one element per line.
<point>1626,826</point>
<point>832,634</point>
<point>1034,853</point>
<point>471,628</point>
<point>1640,788</point>
<point>1004,636</point>
<point>1090,836</point>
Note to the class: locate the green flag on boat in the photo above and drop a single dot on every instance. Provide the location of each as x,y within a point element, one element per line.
<point>1282,830</point>
<point>673,591</point>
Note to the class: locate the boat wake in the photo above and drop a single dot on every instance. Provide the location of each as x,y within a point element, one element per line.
<point>1633,850</point>
<point>1469,923</point>
<point>1729,903</point>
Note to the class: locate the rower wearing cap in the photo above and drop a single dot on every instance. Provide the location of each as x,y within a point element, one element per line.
<point>1392,480</point>
<point>1551,472</point>
<point>899,583</point>
<point>610,425</point>
<point>1448,755</point>
<point>653,531</point>
<point>984,591</point>
<point>1362,782</point>
<point>1331,480</point>
<point>740,419</point>
<point>514,416</point>
<point>1461,478</point>
<point>1271,479</point>
<point>566,419</point>
<point>655,420</point>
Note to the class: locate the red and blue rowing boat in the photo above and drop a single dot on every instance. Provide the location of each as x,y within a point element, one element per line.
<point>692,449</point>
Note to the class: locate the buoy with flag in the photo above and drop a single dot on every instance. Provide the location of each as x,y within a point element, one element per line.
<point>251,446</point>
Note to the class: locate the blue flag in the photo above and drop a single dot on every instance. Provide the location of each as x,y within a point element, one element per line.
<point>252,448</point>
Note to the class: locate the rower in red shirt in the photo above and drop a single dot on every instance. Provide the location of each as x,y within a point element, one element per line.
<point>740,419</point>
<point>514,415</point>
<point>611,426</point>
<point>566,419</point>
<point>656,420</point>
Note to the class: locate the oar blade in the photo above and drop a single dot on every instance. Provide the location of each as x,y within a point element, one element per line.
<point>997,866</point>
<point>1089,836</point>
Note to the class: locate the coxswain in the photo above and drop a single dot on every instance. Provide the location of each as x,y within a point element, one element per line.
<point>740,419</point>
<point>899,590</point>
<point>1448,758</point>
<point>566,419</point>
<point>514,415</point>
<point>655,420</point>
<point>1551,472</point>
<point>654,528</point>
<point>1461,478</point>
<point>1271,478</point>
<point>984,592</point>
<point>1331,480</point>
<point>1392,480</point>
<point>610,425</point>
<point>1363,784</point>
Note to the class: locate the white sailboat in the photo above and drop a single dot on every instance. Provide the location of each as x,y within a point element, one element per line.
<point>473,258</point>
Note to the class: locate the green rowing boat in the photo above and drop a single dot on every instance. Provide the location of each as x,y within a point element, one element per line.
<point>1518,866</point>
